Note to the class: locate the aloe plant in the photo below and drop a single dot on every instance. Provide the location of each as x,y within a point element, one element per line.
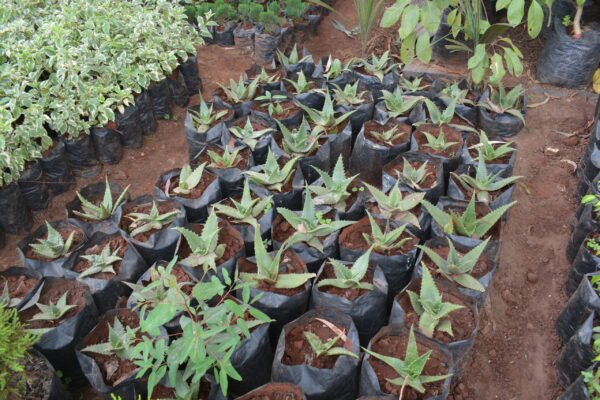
<point>456,267</point>
<point>105,209</point>
<point>227,159</point>
<point>410,369</point>
<point>101,263</point>
<point>334,189</point>
<point>378,66</point>
<point>502,102</point>
<point>492,150</point>
<point>268,268</point>
<point>413,177</point>
<point>326,348</point>
<point>438,117</point>
<point>395,205</point>
<point>414,85</point>
<point>432,310</point>
<point>301,84</point>
<point>302,140</point>
<point>239,91</point>
<point>349,95</point>
<point>121,340</point>
<point>205,248</point>
<point>484,182</point>
<point>333,68</point>
<point>247,210</point>
<point>272,176</point>
<point>272,102</point>
<point>51,312</point>
<point>293,58</point>
<point>310,225</point>
<point>388,136</point>
<point>398,104</point>
<point>264,77</point>
<point>143,223</point>
<point>385,240</point>
<point>189,179</point>
<point>467,223</point>
<point>248,135</point>
<point>349,277</point>
<point>205,117</point>
<point>438,143</point>
<point>54,246</point>
<point>326,118</point>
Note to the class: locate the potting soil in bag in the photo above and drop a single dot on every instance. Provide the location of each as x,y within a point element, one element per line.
<point>33,187</point>
<point>178,90</point>
<point>107,143</point>
<point>582,303</point>
<point>337,382</point>
<point>291,392</point>
<point>161,99</point>
<point>57,171</point>
<point>15,216</point>
<point>189,70</point>
<point>130,128</point>
<point>500,125</point>
<point>146,113</point>
<point>578,353</point>
<point>25,283</point>
<point>570,62</point>
<point>82,157</point>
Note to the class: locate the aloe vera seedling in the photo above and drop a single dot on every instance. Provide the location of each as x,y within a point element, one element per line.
<point>272,102</point>
<point>492,150</point>
<point>458,268</point>
<point>467,223</point>
<point>349,95</point>
<point>410,369</point>
<point>484,182</point>
<point>54,246</point>
<point>438,117</point>
<point>378,66</point>
<point>268,270</point>
<point>413,177</point>
<point>398,104</point>
<point>334,68</point>
<point>502,102</point>
<point>51,312</point>
<point>101,263</point>
<point>205,248</point>
<point>205,117</point>
<point>293,58</point>
<point>326,118</point>
<point>121,340</point>
<point>432,310</point>
<point>247,210</point>
<point>248,135</point>
<point>438,143</point>
<point>264,77</point>
<point>302,140</point>
<point>334,189</point>
<point>301,84</point>
<point>227,159</point>
<point>239,91</point>
<point>349,277</point>
<point>454,92</point>
<point>414,85</point>
<point>388,136</point>
<point>189,179</point>
<point>311,225</point>
<point>142,222</point>
<point>395,205</point>
<point>103,210</point>
<point>272,176</point>
<point>387,239</point>
<point>326,348</point>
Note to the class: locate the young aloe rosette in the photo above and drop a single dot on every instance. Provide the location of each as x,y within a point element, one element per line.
<point>271,175</point>
<point>189,178</point>
<point>301,85</point>
<point>205,249</point>
<point>328,119</point>
<point>491,150</point>
<point>396,104</point>
<point>239,92</point>
<point>377,66</point>
<point>334,189</point>
<point>54,246</point>
<point>205,117</point>
<point>326,348</point>
<point>349,276</point>
<point>395,205</point>
<point>102,210</point>
<point>349,95</point>
<point>152,221</point>
<point>300,141</point>
<point>248,135</point>
<point>51,312</point>
<point>247,210</point>
<point>101,263</point>
<point>387,239</point>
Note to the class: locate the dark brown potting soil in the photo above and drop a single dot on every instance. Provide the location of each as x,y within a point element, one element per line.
<point>348,293</point>
<point>451,134</point>
<point>395,346</point>
<point>18,285</point>
<point>65,232</point>
<point>51,292</point>
<point>275,391</point>
<point>290,264</point>
<point>298,351</point>
<point>352,237</point>
<point>114,242</point>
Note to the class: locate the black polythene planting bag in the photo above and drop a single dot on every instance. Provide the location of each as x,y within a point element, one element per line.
<point>146,113</point>
<point>375,85</point>
<point>189,70</point>
<point>243,37</point>
<point>95,193</point>
<point>106,292</point>
<point>247,231</point>
<point>570,62</point>
<point>585,225</point>
<point>41,232</point>
<point>578,389</point>
<point>500,125</point>
<point>362,113</point>
<point>58,344</point>
<point>337,383</point>
<point>582,303</point>
<point>266,44</point>
<point>223,35</point>
<point>130,127</point>
<point>56,390</point>
<point>197,141</point>
<point>178,90</point>
<point>26,272</point>
<point>586,262</point>
<point>82,156</point>
<point>369,384</point>
<point>33,187</point>
<point>15,216</point>
<point>279,307</point>
<point>340,145</point>
<point>368,311</point>
<point>57,170</point>
<point>161,99</point>
<point>107,144</point>
<point>577,354</point>
<point>162,244</point>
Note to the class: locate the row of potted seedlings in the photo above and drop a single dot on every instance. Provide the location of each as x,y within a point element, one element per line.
<point>578,324</point>
<point>83,156</point>
<point>282,264</point>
